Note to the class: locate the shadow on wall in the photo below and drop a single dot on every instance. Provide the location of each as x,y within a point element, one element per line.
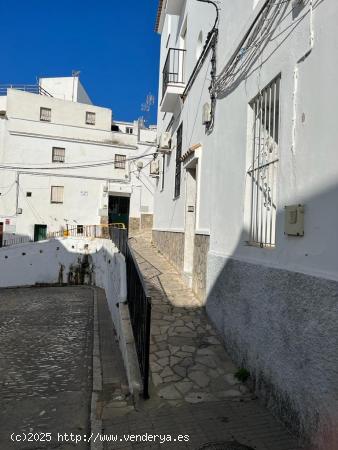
<point>281,325</point>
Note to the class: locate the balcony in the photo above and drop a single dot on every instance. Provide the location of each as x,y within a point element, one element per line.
<point>173,79</point>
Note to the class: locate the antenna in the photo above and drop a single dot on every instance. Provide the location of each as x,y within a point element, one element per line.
<point>146,107</point>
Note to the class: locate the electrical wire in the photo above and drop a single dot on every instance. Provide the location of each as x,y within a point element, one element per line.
<point>64,167</point>
<point>8,191</point>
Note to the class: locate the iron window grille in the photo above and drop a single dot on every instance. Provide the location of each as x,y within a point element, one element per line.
<point>56,195</point>
<point>90,118</point>
<point>45,114</point>
<point>120,161</point>
<point>263,170</point>
<point>58,154</point>
<point>178,161</point>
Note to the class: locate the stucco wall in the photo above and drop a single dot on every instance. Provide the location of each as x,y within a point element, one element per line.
<point>281,326</point>
<point>275,307</point>
<point>27,142</point>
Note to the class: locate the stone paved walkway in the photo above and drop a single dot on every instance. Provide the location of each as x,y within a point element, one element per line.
<point>193,389</point>
<point>45,365</point>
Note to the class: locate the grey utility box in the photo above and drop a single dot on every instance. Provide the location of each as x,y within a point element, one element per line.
<point>294,220</point>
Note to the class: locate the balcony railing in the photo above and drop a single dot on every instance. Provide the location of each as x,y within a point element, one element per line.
<point>32,88</point>
<point>173,71</point>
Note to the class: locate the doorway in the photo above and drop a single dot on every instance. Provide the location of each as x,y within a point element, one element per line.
<point>118,209</point>
<point>1,233</point>
<point>190,222</point>
<point>40,232</point>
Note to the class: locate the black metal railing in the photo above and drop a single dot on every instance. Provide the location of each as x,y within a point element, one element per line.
<point>173,71</point>
<point>15,240</point>
<point>32,88</point>
<point>120,238</point>
<point>139,303</point>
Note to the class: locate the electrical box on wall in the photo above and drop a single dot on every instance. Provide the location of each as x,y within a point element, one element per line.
<point>294,220</point>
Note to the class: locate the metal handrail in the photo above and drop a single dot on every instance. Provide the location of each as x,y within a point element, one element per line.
<point>173,69</point>
<point>139,304</point>
<point>32,88</point>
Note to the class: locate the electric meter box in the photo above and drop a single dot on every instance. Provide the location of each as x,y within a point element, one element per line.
<point>294,220</point>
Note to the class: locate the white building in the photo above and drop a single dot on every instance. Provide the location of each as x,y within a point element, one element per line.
<point>62,166</point>
<point>248,188</point>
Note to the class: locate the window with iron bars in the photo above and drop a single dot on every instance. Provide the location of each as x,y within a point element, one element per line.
<point>263,169</point>
<point>58,154</point>
<point>120,161</point>
<point>56,194</point>
<point>178,161</point>
<point>45,114</point>
<point>90,118</point>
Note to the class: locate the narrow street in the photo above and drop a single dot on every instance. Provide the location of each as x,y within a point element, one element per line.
<point>45,366</point>
<point>193,390</point>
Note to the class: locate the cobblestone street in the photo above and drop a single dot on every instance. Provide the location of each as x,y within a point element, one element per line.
<point>45,364</point>
<point>193,390</point>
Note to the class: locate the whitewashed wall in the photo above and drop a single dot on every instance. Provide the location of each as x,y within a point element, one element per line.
<point>27,142</point>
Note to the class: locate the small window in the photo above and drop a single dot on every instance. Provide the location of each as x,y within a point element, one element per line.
<point>90,118</point>
<point>115,127</point>
<point>56,194</point>
<point>79,229</point>
<point>129,130</point>
<point>45,114</point>
<point>58,154</point>
<point>28,194</point>
<point>120,161</point>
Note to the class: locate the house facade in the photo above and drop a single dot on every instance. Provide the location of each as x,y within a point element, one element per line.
<point>65,163</point>
<point>247,188</point>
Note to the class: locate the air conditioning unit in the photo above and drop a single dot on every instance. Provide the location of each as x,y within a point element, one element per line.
<point>165,142</point>
<point>155,168</point>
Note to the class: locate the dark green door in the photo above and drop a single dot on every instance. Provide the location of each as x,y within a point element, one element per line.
<point>119,209</point>
<point>40,232</point>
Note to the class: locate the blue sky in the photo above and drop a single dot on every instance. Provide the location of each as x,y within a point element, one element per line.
<point>111,42</point>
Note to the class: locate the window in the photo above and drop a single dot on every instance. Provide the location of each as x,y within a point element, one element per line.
<point>263,169</point>
<point>58,154</point>
<point>45,114</point>
<point>120,161</point>
<point>79,229</point>
<point>115,127</point>
<point>129,130</point>
<point>90,118</point>
<point>28,194</point>
<point>56,195</point>
<point>178,161</point>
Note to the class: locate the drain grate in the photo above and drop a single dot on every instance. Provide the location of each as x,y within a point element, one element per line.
<point>230,445</point>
